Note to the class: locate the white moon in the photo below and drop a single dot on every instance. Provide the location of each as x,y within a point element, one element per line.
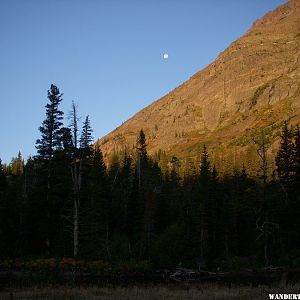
<point>166,56</point>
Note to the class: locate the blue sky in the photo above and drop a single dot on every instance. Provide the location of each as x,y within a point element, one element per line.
<point>106,55</point>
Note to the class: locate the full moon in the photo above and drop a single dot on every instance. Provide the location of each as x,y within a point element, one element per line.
<point>166,55</point>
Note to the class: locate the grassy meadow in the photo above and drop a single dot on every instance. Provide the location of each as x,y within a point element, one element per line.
<point>170,292</point>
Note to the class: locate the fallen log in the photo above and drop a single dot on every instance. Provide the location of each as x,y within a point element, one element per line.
<point>253,277</point>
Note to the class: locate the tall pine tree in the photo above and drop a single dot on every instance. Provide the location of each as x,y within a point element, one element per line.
<point>51,126</point>
<point>50,141</point>
<point>284,158</point>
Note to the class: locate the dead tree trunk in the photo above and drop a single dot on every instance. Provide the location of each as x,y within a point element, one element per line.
<point>262,223</point>
<point>76,170</point>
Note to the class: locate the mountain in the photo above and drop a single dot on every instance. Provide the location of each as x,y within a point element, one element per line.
<point>252,85</point>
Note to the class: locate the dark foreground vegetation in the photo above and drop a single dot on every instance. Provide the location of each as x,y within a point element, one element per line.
<point>170,292</point>
<point>144,212</point>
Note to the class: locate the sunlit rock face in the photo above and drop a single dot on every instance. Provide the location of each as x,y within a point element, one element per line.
<point>253,84</point>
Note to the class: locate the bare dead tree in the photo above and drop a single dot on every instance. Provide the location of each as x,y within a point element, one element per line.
<point>262,222</point>
<point>76,173</point>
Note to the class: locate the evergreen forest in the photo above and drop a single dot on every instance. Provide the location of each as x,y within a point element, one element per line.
<point>66,201</point>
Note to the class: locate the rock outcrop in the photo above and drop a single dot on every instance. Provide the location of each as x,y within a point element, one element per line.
<point>253,84</point>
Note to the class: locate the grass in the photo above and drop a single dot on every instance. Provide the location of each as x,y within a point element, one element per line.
<point>170,292</point>
<point>259,91</point>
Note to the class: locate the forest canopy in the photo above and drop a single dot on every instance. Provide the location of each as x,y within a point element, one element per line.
<point>66,201</point>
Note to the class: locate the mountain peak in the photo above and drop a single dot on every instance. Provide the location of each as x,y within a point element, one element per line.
<point>254,84</point>
<point>279,13</point>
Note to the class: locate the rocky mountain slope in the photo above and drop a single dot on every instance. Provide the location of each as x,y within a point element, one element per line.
<point>253,84</point>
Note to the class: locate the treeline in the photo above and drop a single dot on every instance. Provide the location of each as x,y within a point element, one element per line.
<point>65,202</point>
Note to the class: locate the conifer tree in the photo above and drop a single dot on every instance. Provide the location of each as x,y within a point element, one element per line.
<point>34,208</point>
<point>142,146</point>
<point>138,195</point>
<point>162,208</point>
<point>117,217</point>
<point>95,228</point>
<point>245,222</point>
<point>2,178</point>
<point>86,134</point>
<point>17,165</point>
<point>62,193</point>
<point>50,142</point>
<point>213,216</point>
<point>296,158</point>
<point>66,141</point>
<point>74,119</point>
<point>294,215</point>
<point>204,203</point>
<point>6,221</point>
<point>264,217</point>
<point>134,214</point>
<point>126,183</point>
<point>284,157</point>
<point>205,171</point>
<point>3,249</point>
<point>51,126</point>
<point>174,192</point>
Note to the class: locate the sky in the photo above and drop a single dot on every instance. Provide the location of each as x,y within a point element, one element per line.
<point>105,55</point>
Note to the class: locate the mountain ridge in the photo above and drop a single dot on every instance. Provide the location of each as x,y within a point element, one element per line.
<point>253,84</point>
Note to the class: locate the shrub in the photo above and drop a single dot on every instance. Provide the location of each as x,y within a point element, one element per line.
<point>170,247</point>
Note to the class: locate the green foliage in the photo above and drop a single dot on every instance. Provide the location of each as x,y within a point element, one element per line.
<point>120,248</point>
<point>133,266</point>
<point>284,158</point>
<point>86,134</point>
<point>2,179</point>
<point>95,210</point>
<point>17,165</point>
<point>258,92</point>
<point>144,209</point>
<point>292,258</point>
<point>51,126</point>
<point>142,146</point>
<point>170,247</point>
<point>296,157</point>
<point>238,263</point>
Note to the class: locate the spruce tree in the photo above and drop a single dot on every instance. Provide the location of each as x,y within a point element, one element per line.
<point>3,232</point>
<point>294,220</point>
<point>205,170</point>
<point>117,205</point>
<point>204,204</point>
<point>134,214</point>
<point>51,126</point>
<point>17,165</point>
<point>138,224</point>
<point>95,233</point>
<point>2,177</point>
<point>86,134</point>
<point>264,215</point>
<point>174,192</point>
<point>138,195</point>
<point>284,158</point>
<point>50,142</point>
<point>61,194</point>
<point>142,147</point>
<point>74,119</point>
<point>126,183</point>
<point>296,158</point>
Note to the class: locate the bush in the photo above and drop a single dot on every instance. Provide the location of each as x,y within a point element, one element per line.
<point>170,247</point>
<point>134,266</point>
<point>292,258</point>
<point>120,248</point>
